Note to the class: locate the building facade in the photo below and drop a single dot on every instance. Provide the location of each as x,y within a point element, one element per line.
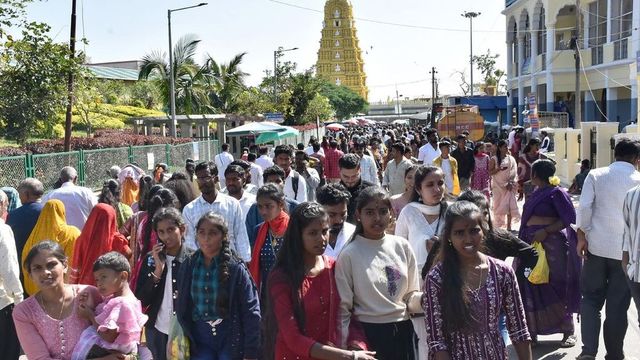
<point>540,57</point>
<point>339,58</point>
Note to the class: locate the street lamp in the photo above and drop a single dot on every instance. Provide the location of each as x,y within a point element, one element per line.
<point>471,15</point>
<point>276,55</point>
<point>172,86</point>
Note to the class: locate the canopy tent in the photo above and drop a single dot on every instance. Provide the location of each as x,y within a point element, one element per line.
<point>400,122</point>
<point>335,127</point>
<point>255,128</point>
<point>269,136</point>
<point>351,122</point>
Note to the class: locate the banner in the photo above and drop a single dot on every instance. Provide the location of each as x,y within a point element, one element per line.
<point>533,114</point>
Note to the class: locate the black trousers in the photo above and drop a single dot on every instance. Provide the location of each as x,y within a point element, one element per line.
<point>9,344</point>
<point>391,341</point>
<point>603,279</point>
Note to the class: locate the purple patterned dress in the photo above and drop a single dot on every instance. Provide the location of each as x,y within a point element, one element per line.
<point>481,339</point>
<point>481,179</point>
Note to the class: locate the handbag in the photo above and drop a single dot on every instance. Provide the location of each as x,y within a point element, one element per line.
<point>540,273</point>
<point>178,343</point>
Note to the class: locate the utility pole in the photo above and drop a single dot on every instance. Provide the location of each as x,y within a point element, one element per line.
<point>575,42</point>
<point>433,73</point>
<point>72,55</point>
<point>471,15</point>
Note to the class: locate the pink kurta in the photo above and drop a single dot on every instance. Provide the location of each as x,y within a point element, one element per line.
<point>504,200</point>
<point>481,179</point>
<point>43,337</point>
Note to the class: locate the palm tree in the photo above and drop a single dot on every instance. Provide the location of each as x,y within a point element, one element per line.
<point>191,96</point>
<point>225,83</point>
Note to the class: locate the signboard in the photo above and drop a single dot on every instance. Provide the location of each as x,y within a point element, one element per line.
<point>533,114</point>
<point>274,117</point>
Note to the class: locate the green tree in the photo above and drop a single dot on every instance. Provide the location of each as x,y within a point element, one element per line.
<point>224,83</point>
<point>11,12</point>
<point>344,101</point>
<point>319,108</point>
<point>304,87</point>
<point>145,94</point>
<point>285,71</point>
<point>86,99</point>
<point>252,101</point>
<point>33,77</point>
<point>486,63</point>
<point>191,96</point>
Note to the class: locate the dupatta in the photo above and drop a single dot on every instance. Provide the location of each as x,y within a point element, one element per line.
<point>278,225</point>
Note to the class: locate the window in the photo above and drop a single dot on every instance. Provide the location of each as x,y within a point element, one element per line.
<point>337,43</point>
<point>337,55</point>
<point>597,29</point>
<point>527,39</point>
<point>542,34</point>
<point>621,25</point>
<point>336,23</point>
<point>337,32</point>
<point>338,68</point>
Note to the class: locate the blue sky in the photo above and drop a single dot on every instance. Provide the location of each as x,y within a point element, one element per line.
<point>126,30</point>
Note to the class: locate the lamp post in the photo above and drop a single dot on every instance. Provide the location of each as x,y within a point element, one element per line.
<point>471,15</point>
<point>276,55</point>
<point>172,85</point>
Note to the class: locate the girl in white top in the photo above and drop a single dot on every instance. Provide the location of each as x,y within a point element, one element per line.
<point>420,223</point>
<point>377,279</point>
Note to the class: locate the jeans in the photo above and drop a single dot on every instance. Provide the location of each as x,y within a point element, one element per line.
<point>209,347</point>
<point>634,287</point>
<point>603,279</point>
<point>156,342</point>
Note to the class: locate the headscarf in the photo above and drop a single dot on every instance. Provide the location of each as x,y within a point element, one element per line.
<point>14,198</point>
<point>99,236</point>
<point>278,226</point>
<point>51,225</point>
<point>130,191</point>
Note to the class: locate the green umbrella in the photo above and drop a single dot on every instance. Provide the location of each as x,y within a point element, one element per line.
<point>269,136</point>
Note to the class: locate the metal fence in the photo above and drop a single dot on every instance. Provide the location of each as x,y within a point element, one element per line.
<point>92,165</point>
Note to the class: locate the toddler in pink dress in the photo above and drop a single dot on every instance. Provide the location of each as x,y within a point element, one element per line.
<point>117,322</point>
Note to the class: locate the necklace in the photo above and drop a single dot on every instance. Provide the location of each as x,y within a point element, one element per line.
<point>64,300</point>
<point>476,292</point>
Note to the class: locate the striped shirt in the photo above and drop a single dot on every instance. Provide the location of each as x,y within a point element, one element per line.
<point>630,240</point>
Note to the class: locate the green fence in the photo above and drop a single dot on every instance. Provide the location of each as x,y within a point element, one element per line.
<point>92,165</point>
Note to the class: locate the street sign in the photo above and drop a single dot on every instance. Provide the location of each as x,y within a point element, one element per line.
<point>274,117</point>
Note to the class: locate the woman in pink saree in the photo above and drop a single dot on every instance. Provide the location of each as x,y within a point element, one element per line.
<point>504,170</point>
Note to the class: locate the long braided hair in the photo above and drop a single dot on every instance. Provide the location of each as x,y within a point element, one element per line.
<point>226,255</point>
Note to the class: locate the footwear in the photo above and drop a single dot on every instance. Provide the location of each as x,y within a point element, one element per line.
<point>569,341</point>
<point>585,357</point>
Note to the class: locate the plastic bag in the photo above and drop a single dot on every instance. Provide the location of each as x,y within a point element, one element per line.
<point>178,342</point>
<point>540,273</point>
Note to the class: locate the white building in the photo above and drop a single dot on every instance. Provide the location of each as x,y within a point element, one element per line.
<point>540,59</point>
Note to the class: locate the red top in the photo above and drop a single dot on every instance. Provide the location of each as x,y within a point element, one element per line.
<point>321,302</point>
<point>331,168</point>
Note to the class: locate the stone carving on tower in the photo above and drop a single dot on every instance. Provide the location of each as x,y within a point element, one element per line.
<point>339,58</point>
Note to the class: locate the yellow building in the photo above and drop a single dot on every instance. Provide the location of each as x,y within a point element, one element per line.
<point>339,58</point>
<point>541,61</point>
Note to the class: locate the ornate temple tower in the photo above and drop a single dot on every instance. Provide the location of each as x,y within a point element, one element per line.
<point>339,58</point>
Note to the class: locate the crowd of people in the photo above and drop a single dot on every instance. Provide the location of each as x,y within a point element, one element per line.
<point>377,242</point>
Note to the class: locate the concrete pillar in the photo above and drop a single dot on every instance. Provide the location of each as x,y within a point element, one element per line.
<point>510,73</point>
<point>612,103</point>
<point>148,129</point>
<point>603,138</point>
<point>609,20</point>
<point>163,129</point>
<point>521,102</point>
<point>534,61</point>
<point>560,146</point>
<point>551,35</point>
<point>186,129</point>
<point>573,153</point>
<point>589,112</point>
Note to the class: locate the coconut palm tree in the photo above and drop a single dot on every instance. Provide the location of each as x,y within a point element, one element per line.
<point>225,83</point>
<point>191,95</point>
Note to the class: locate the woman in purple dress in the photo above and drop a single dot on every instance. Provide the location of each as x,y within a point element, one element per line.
<point>547,217</point>
<point>466,293</point>
<point>481,179</point>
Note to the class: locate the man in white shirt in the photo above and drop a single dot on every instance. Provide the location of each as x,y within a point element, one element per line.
<point>222,161</point>
<point>10,288</point>
<point>224,205</point>
<point>393,178</point>
<point>264,161</point>
<point>429,151</point>
<point>256,171</point>
<point>235,187</point>
<point>601,229</point>
<point>368,167</point>
<point>309,149</point>
<point>78,201</point>
<point>310,175</point>
<point>631,243</point>
<point>295,186</point>
<point>334,198</point>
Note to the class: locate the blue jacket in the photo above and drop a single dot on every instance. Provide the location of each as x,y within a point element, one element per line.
<point>244,308</point>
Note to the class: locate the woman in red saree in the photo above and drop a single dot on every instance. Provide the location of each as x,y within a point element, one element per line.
<point>98,237</point>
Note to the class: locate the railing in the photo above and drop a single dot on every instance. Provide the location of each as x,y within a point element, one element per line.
<point>92,165</point>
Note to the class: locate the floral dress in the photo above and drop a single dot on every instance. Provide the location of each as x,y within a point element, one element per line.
<point>479,339</point>
<point>481,179</point>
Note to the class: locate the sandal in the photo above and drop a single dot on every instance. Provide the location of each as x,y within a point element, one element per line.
<point>585,357</point>
<point>569,341</point>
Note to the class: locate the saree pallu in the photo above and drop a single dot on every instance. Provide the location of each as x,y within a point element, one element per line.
<point>545,305</point>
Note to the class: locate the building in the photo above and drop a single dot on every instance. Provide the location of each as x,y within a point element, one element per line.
<point>540,58</point>
<point>339,58</point>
